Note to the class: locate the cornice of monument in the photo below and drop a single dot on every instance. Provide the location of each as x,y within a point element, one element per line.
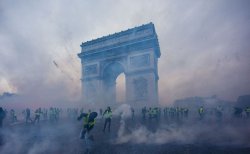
<point>115,39</point>
<point>118,34</point>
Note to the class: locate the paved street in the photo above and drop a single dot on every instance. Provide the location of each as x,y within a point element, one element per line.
<point>128,136</point>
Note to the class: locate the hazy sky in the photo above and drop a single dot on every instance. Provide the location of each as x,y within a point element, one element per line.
<point>205,45</point>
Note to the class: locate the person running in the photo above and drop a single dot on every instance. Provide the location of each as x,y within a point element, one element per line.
<point>88,125</point>
<point>88,122</point>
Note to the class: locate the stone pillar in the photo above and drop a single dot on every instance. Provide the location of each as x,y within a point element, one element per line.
<point>142,80</point>
<point>141,89</point>
<point>91,83</point>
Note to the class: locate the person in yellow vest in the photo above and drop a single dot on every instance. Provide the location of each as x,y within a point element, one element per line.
<point>88,123</point>
<point>155,112</point>
<point>201,112</point>
<point>107,115</point>
<point>247,110</point>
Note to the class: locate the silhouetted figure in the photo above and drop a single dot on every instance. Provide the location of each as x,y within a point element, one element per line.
<point>57,113</point>
<point>150,113</point>
<point>133,113</point>
<point>45,114</point>
<point>107,115</point>
<point>185,112</point>
<point>52,114</point>
<point>2,116</point>
<point>159,112</point>
<point>144,111</point>
<point>247,110</point>
<point>13,116</point>
<point>37,115</point>
<point>28,118</point>
<point>238,112</point>
<point>201,112</point>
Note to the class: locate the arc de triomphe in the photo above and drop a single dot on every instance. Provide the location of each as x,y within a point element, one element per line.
<point>135,53</point>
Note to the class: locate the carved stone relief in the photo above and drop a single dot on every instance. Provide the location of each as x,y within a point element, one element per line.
<point>140,60</point>
<point>90,69</point>
<point>141,88</point>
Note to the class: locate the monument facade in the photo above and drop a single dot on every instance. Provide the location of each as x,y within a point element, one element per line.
<point>135,53</point>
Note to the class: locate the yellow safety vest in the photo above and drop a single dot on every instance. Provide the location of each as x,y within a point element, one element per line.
<point>86,121</point>
<point>154,111</point>
<point>201,110</point>
<point>108,114</point>
<point>248,109</point>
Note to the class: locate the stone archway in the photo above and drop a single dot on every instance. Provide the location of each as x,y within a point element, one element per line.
<point>110,74</point>
<point>135,53</point>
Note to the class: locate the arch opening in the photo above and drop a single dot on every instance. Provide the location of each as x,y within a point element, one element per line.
<point>121,89</point>
<point>113,86</point>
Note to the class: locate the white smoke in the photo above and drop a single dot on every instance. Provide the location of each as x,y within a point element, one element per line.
<point>187,133</point>
<point>37,139</point>
<point>124,111</point>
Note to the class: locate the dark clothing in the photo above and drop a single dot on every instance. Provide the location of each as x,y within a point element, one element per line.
<point>238,112</point>
<point>107,114</point>
<point>133,113</point>
<point>37,117</point>
<point>2,116</point>
<point>28,115</point>
<point>88,122</point>
<point>86,128</point>
<point>107,121</point>
<point>144,111</point>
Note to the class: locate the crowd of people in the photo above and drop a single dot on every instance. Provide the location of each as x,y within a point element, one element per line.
<point>29,116</point>
<point>53,114</point>
<point>88,116</point>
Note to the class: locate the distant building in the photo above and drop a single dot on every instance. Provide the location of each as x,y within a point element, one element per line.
<point>196,102</point>
<point>243,101</point>
<point>7,95</point>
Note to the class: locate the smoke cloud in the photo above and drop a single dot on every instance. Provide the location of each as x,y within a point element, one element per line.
<point>204,45</point>
<point>191,132</point>
<point>124,112</point>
